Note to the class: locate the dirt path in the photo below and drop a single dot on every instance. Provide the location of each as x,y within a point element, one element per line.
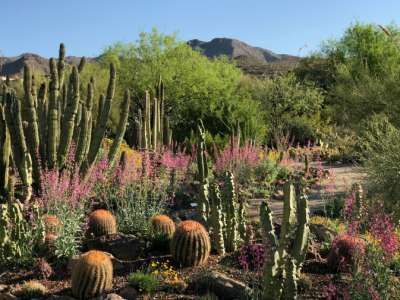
<point>344,175</point>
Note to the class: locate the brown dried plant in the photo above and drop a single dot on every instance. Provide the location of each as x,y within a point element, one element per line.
<point>388,34</point>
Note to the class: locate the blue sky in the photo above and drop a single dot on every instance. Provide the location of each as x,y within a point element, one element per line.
<point>84,26</point>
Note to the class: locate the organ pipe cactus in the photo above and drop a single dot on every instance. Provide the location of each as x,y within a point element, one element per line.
<point>275,284</point>
<point>5,148</point>
<point>231,213</point>
<point>114,151</point>
<point>203,204</point>
<point>217,222</point>
<point>242,220</point>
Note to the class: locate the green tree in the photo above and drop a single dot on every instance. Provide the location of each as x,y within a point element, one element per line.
<point>195,87</point>
<point>283,98</point>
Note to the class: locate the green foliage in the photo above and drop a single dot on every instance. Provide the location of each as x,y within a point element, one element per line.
<point>283,98</point>
<point>209,140</point>
<point>283,172</point>
<point>267,165</point>
<point>144,283</point>
<point>379,141</point>
<point>303,131</point>
<point>160,241</point>
<point>304,284</point>
<point>332,208</point>
<point>195,86</point>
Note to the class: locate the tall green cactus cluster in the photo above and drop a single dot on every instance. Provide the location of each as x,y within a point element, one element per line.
<point>202,203</point>
<point>230,226</point>
<point>13,228</point>
<point>277,262</point>
<point>151,128</point>
<point>52,124</point>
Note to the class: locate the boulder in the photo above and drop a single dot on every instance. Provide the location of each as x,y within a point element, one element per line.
<point>312,252</point>
<point>320,231</point>
<point>129,293</point>
<point>225,287</point>
<point>117,265</point>
<point>55,297</point>
<point>108,297</point>
<point>121,246</point>
<point>8,296</point>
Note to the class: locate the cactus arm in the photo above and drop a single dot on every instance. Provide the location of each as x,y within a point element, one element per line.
<point>69,118</point>
<point>5,150</point>
<point>216,216</point>
<point>290,290</point>
<point>271,254</point>
<point>89,105</point>
<point>52,117</point>
<point>155,125</point>
<point>82,64</point>
<point>166,132</point>
<point>101,127</point>
<point>301,240</point>
<point>203,204</point>
<point>61,65</point>
<point>289,219</point>
<point>41,119</point>
<point>116,145</point>
<point>148,120</point>
<point>231,213</point>
<point>242,220</point>
<point>136,135</point>
<point>81,146</point>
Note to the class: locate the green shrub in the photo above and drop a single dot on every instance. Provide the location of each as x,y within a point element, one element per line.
<point>220,143</point>
<point>267,166</point>
<point>160,241</point>
<point>283,172</point>
<point>303,284</point>
<point>144,283</point>
<point>379,142</point>
<point>303,131</point>
<point>333,208</point>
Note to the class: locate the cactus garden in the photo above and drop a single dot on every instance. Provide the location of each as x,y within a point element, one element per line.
<point>109,191</point>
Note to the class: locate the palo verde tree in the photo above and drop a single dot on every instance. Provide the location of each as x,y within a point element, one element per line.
<point>195,87</point>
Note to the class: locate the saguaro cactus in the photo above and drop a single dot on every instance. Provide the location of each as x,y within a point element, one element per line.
<point>203,204</point>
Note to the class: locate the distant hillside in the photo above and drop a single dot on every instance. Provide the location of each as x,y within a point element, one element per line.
<point>252,60</point>
<point>234,48</point>
<point>251,65</point>
<point>14,65</point>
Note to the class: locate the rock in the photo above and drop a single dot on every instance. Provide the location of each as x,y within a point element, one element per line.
<point>8,296</point>
<point>192,216</point>
<point>3,288</point>
<point>121,246</point>
<point>55,297</point>
<point>117,265</point>
<point>312,252</point>
<point>320,231</point>
<point>278,194</point>
<point>225,287</point>
<point>108,297</point>
<point>129,293</point>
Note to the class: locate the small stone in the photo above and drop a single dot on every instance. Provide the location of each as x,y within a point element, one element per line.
<point>129,293</point>
<point>108,297</point>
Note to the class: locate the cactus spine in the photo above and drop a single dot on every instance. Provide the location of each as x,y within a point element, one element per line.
<point>203,204</point>
<point>217,223</point>
<point>275,286</point>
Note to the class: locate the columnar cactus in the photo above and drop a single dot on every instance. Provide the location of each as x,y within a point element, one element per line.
<point>101,222</point>
<point>232,223</point>
<point>92,275</point>
<point>136,135</point>
<point>306,164</point>
<point>190,244</point>
<point>216,217</point>
<point>116,145</point>
<point>242,220</point>
<point>202,203</point>
<point>275,284</point>
<point>162,223</point>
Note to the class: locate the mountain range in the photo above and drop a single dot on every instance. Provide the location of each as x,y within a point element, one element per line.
<point>252,60</point>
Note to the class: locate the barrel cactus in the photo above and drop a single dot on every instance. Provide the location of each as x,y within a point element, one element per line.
<point>162,223</point>
<point>345,247</point>
<point>101,222</point>
<point>52,224</point>
<point>92,275</point>
<point>190,244</point>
